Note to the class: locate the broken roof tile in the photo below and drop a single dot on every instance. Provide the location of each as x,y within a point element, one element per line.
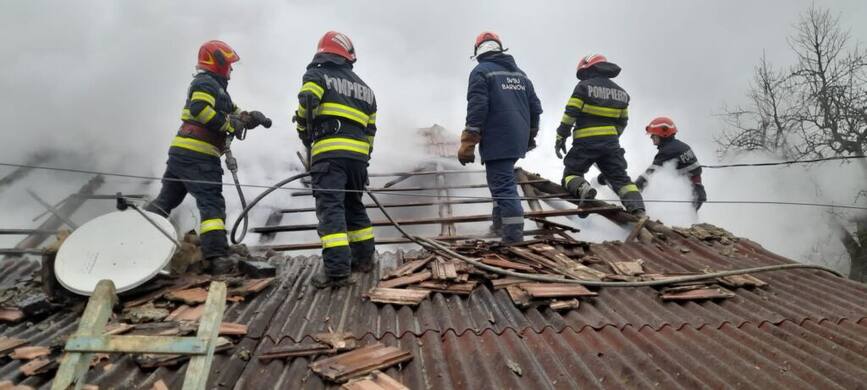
<point>29,353</point>
<point>345,366</point>
<point>190,296</point>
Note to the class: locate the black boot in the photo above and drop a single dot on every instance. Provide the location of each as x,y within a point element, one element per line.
<point>363,266</point>
<point>223,265</point>
<point>323,281</point>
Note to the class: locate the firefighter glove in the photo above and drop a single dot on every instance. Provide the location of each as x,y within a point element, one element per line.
<point>467,151</point>
<point>238,124</point>
<point>560,146</point>
<point>699,196</point>
<point>531,144</point>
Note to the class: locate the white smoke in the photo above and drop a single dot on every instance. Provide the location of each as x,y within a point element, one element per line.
<point>106,81</point>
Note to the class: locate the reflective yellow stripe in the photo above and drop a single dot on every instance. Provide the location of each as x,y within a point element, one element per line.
<point>627,189</point>
<point>205,97</point>
<point>597,110</point>
<point>595,131</point>
<point>334,240</point>
<point>567,179</point>
<point>344,111</point>
<point>206,115</point>
<point>370,139</point>
<point>313,88</point>
<point>372,119</point>
<point>185,115</point>
<point>346,144</point>
<point>568,119</point>
<point>602,111</point>
<point>361,234</point>
<point>210,225</point>
<point>301,112</point>
<point>196,146</point>
<point>575,102</point>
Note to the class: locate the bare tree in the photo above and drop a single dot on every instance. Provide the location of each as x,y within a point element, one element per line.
<point>816,108</point>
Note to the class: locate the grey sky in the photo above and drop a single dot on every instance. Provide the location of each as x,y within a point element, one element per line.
<point>108,78</point>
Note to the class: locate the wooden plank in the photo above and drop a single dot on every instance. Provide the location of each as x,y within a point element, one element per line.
<point>11,314</point>
<point>8,343</point>
<point>448,288</point>
<point>571,304</point>
<point>556,290</point>
<point>375,381</point>
<point>359,362</point>
<point>519,297</point>
<point>199,367</point>
<point>93,321</point>
<point>29,353</point>
<point>438,221</point>
<point>698,294</point>
<point>407,268</point>
<point>138,344</point>
<point>498,261</point>
<point>507,281</point>
<point>405,280</point>
<point>397,296</point>
<point>190,296</point>
<point>736,281</point>
<point>627,268</point>
<point>443,270</point>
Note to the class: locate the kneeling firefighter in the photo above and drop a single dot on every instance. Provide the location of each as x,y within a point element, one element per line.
<point>596,114</point>
<point>662,131</point>
<point>336,121</point>
<point>209,117</point>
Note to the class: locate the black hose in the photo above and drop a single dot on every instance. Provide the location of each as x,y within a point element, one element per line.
<point>247,208</point>
<point>244,217</point>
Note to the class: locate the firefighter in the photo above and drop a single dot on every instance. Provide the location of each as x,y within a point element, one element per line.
<point>339,141</point>
<point>662,131</point>
<point>596,115</point>
<point>503,118</point>
<point>193,166</point>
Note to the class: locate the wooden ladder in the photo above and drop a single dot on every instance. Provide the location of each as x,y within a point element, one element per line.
<point>90,339</point>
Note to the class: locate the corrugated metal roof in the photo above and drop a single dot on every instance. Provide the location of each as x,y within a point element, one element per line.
<point>789,355</point>
<point>806,329</point>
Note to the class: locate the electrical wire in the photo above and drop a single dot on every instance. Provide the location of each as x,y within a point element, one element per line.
<point>790,162</point>
<point>424,195</point>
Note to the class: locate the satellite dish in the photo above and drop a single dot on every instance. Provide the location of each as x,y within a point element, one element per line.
<point>122,246</point>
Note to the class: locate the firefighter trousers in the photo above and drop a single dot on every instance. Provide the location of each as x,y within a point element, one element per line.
<point>609,158</point>
<point>507,213</point>
<point>209,197</point>
<point>344,227</point>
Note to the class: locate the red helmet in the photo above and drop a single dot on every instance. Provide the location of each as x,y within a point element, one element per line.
<point>591,60</point>
<point>217,57</point>
<point>484,37</point>
<point>336,43</point>
<point>661,126</point>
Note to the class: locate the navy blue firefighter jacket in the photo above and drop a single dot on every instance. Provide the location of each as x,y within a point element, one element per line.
<point>502,106</point>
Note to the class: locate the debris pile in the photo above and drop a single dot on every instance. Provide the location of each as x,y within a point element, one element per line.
<point>165,306</point>
<point>413,281</point>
